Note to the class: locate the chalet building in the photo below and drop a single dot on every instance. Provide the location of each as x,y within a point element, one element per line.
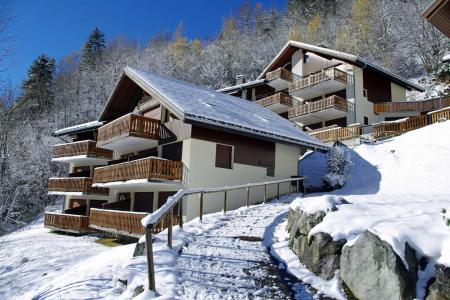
<point>157,135</point>
<point>438,14</point>
<point>320,88</point>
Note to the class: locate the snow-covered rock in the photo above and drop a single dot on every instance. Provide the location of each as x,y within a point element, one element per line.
<point>440,289</point>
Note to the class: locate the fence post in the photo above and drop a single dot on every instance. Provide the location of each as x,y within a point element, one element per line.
<point>265,194</point>
<point>201,207</point>
<point>248,197</point>
<point>278,191</point>
<point>170,229</point>
<point>297,190</point>
<point>180,212</point>
<point>225,202</point>
<point>150,263</point>
<point>289,188</point>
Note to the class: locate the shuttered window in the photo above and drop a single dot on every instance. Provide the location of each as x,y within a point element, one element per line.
<point>224,156</point>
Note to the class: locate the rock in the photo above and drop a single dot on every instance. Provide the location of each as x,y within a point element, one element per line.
<point>372,270</point>
<point>139,249</point>
<point>320,254</point>
<point>138,290</point>
<point>303,222</point>
<point>440,289</point>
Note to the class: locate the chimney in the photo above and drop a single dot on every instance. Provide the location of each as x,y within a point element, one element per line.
<point>240,79</point>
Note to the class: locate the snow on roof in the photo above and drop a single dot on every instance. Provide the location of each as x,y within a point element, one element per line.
<point>78,128</point>
<point>446,58</point>
<point>207,106</point>
<point>242,85</point>
<point>340,56</point>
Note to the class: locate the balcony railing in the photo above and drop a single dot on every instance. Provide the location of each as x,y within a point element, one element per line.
<point>280,73</point>
<point>74,185</point>
<point>66,222</point>
<point>329,102</point>
<point>393,128</point>
<point>338,133</point>
<point>313,79</point>
<point>128,125</point>
<point>411,106</point>
<point>88,148</point>
<point>278,98</point>
<point>145,168</point>
<point>124,222</point>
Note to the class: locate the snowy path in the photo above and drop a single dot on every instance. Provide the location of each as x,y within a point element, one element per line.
<point>33,255</point>
<point>232,261</point>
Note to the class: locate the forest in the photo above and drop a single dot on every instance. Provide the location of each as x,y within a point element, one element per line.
<point>73,90</point>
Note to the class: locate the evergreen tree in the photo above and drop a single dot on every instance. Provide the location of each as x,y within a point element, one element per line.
<point>37,88</point>
<point>94,49</point>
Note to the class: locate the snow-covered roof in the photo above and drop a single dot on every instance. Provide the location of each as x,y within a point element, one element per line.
<point>197,104</point>
<point>446,58</point>
<point>78,128</point>
<point>347,57</point>
<point>242,85</point>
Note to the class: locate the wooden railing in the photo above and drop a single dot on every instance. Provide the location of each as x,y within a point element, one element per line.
<point>66,222</point>
<point>145,168</point>
<point>338,133</point>
<point>389,129</point>
<point>310,131</point>
<point>74,184</point>
<point>278,98</point>
<point>329,102</point>
<point>280,73</point>
<point>167,211</point>
<point>313,79</point>
<point>435,116</point>
<point>411,106</point>
<point>128,125</point>
<point>88,148</point>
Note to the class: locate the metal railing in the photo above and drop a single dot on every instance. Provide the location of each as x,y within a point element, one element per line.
<point>167,209</point>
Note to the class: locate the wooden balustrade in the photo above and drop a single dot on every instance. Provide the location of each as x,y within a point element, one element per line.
<point>322,76</point>
<point>74,184</point>
<point>389,129</point>
<point>280,73</point>
<point>123,222</point>
<point>129,125</point>
<point>339,133</point>
<point>146,168</point>
<point>411,106</point>
<point>329,102</point>
<point>435,116</point>
<point>278,98</point>
<point>88,148</point>
<point>66,222</point>
<point>310,131</point>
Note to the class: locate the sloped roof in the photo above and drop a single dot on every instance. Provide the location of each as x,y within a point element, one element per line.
<point>197,104</point>
<point>342,56</point>
<point>78,128</point>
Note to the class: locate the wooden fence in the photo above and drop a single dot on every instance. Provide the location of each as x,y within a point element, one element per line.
<point>129,125</point>
<point>435,116</point>
<point>88,148</point>
<point>66,222</point>
<point>338,133</point>
<point>145,168</point>
<point>411,106</point>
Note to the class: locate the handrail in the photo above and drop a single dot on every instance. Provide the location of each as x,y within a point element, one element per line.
<point>167,209</point>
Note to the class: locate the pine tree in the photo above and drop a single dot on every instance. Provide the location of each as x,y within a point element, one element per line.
<point>37,88</point>
<point>94,49</point>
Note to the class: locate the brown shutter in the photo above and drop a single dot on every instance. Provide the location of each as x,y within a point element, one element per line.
<point>223,156</point>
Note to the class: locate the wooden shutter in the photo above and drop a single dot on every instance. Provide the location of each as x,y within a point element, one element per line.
<point>224,155</point>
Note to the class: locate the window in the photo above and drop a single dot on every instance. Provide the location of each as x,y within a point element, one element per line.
<point>305,58</point>
<point>366,121</point>
<point>364,93</point>
<point>224,156</point>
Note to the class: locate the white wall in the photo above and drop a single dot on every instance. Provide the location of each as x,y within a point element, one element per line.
<point>199,158</point>
<point>398,93</point>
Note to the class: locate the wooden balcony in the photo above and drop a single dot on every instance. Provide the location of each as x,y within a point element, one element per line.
<point>408,107</point>
<point>279,103</point>
<point>129,131</point>
<point>83,151</point>
<point>279,79</point>
<point>74,186</point>
<point>334,134</point>
<point>126,223</point>
<point>145,168</point>
<point>66,222</point>
<point>330,108</point>
<point>324,82</point>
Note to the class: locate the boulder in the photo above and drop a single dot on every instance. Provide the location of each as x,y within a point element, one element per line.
<point>319,253</point>
<point>302,222</point>
<point>371,269</point>
<point>140,249</point>
<point>440,289</point>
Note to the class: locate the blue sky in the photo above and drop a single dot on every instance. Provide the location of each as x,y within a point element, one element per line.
<point>60,27</point>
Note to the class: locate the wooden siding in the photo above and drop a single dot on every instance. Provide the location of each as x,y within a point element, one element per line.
<point>66,222</point>
<point>146,168</point>
<point>74,184</point>
<point>438,14</point>
<point>174,131</point>
<point>278,98</point>
<point>310,107</point>
<point>378,86</point>
<point>88,148</point>
<point>128,125</point>
<point>247,150</point>
<point>224,156</point>
<point>411,106</point>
